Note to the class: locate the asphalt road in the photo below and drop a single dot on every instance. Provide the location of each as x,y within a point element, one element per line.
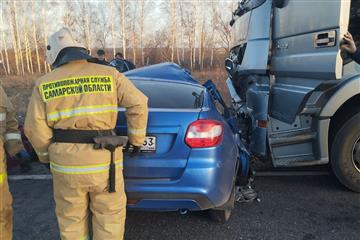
<point>299,207</point>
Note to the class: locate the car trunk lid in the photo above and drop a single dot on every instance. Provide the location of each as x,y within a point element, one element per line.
<point>169,160</point>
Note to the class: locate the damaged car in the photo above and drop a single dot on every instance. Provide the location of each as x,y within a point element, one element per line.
<point>192,158</point>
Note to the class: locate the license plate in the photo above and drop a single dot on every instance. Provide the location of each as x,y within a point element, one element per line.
<point>149,144</point>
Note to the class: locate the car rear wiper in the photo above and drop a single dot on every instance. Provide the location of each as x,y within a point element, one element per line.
<point>199,99</point>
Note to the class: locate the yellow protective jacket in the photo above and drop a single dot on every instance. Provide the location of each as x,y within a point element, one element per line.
<point>82,96</point>
<point>10,137</point>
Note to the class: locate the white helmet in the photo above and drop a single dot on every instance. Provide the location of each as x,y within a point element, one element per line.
<point>57,42</point>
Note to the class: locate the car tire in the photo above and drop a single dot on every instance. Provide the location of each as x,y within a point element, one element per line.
<point>345,154</point>
<point>223,215</point>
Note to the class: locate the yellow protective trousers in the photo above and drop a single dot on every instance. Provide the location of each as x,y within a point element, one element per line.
<point>81,182</point>
<point>6,212</point>
<point>78,208</point>
<point>6,221</point>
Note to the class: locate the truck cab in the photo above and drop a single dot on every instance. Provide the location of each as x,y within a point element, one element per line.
<point>295,93</point>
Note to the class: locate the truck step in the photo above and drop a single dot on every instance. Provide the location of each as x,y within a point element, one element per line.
<point>284,139</point>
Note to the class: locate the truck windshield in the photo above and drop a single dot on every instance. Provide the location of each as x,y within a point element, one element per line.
<point>245,6</point>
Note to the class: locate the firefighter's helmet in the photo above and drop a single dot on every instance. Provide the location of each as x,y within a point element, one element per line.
<point>58,41</point>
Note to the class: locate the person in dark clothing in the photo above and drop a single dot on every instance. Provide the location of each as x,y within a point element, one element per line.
<point>101,57</point>
<point>121,64</point>
<point>348,45</point>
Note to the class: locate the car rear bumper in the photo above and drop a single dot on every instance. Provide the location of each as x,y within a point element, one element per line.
<point>168,201</point>
<point>206,183</point>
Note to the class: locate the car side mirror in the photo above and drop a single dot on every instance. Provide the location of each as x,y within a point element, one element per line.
<point>229,66</point>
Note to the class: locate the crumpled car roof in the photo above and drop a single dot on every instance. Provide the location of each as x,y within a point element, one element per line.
<point>163,71</point>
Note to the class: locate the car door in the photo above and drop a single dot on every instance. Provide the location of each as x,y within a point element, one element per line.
<point>305,52</point>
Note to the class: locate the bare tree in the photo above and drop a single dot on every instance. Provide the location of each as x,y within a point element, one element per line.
<point>45,34</point>
<point>13,38</point>
<point>223,29</point>
<point>84,23</point>
<point>27,53</point>
<point>102,28</point>
<point>201,38</point>
<point>173,20</point>
<point>18,39</point>
<point>188,23</point>
<point>112,27</point>
<point>35,39</point>
<point>182,32</point>
<point>25,29</point>
<point>143,6</point>
<point>123,6</point>
<point>2,59</point>
<point>3,43</point>
<point>213,24</point>
<point>69,18</point>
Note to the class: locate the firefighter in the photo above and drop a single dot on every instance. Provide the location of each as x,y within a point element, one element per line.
<point>101,57</point>
<point>122,64</point>
<point>69,108</point>
<point>10,141</point>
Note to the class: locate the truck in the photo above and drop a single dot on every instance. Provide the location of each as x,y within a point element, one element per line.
<point>295,94</point>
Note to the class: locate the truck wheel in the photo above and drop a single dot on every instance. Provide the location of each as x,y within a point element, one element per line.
<point>345,154</point>
<point>223,215</point>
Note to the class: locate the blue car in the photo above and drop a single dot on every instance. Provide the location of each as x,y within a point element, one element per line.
<point>191,157</point>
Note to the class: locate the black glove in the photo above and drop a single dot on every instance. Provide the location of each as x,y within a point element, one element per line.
<point>131,149</point>
<point>135,151</point>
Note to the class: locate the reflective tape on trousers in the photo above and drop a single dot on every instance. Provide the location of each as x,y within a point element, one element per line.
<point>2,177</point>
<point>83,169</point>
<point>137,132</point>
<point>2,116</point>
<point>81,111</point>
<point>12,136</point>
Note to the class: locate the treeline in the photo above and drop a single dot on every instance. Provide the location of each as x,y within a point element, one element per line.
<point>194,34</point>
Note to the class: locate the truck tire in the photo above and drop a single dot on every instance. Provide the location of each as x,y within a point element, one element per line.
<point>345,154</point>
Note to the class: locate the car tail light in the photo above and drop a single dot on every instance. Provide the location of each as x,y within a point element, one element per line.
<point>204,133</point>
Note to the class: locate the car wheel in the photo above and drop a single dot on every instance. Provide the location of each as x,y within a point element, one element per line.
<point>345,154</point>
<point>223,214</point>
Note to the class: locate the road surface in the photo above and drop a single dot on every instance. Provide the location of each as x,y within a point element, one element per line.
<point>291,207</point>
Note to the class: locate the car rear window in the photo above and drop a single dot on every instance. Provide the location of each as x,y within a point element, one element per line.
<point>171,95</point>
